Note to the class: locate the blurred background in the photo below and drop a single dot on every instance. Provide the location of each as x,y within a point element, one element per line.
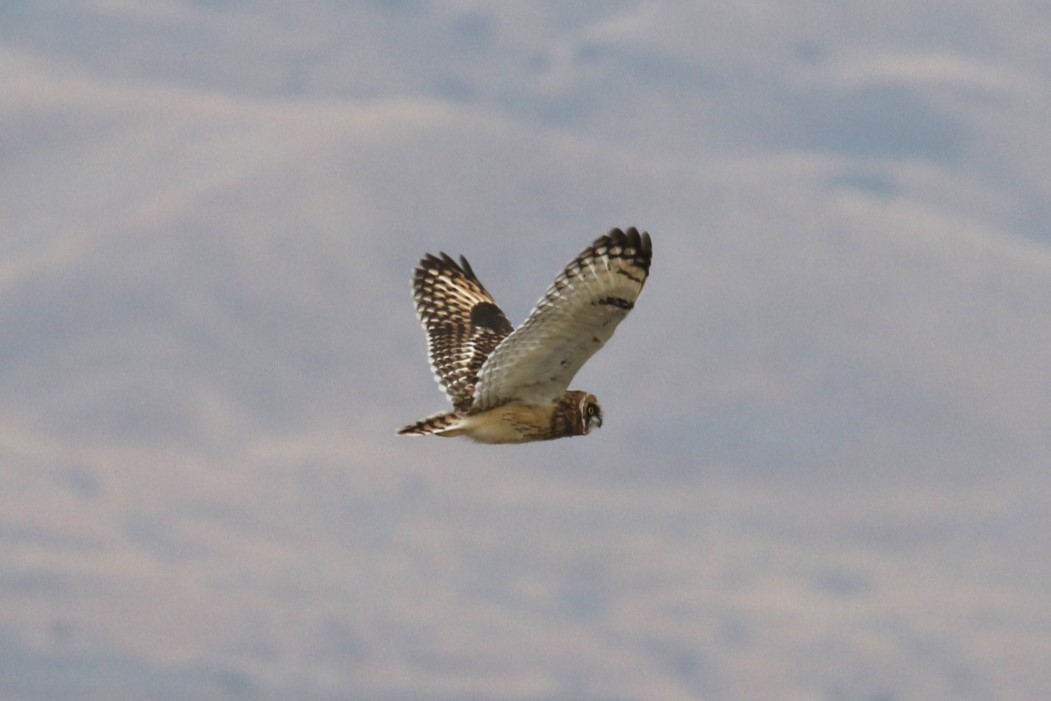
<point>823,473</point>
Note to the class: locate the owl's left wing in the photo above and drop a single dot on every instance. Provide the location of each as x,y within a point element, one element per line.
<point>574,318</point>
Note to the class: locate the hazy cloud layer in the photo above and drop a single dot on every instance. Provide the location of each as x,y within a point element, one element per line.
<point>823,473</point>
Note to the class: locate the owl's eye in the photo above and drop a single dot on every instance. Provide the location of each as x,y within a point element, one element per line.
<point>591,409</point>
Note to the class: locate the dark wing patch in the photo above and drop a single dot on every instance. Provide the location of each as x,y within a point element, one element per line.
<point>619,302</point>
<point>489,316</point>
<point>462,321</point>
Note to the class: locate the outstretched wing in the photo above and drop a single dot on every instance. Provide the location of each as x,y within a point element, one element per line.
<point>574,318</point>
<point>462,321</point>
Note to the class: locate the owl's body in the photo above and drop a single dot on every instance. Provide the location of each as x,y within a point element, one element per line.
<point>515,422</point>
<point>508,385</point>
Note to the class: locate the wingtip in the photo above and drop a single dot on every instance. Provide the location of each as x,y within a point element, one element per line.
<point>467,268</point>
<point>629,238</point>
<point>443,261</point>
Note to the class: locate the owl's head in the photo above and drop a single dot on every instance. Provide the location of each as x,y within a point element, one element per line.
<point>576,414</point>
<point>590,413</point>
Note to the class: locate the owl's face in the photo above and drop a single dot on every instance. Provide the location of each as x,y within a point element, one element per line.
<point>590,413</point>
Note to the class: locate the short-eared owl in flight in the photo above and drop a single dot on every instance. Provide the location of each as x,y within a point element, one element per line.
<point>510,385</point>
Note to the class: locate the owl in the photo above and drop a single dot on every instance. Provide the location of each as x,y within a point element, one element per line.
<point>510,385</point>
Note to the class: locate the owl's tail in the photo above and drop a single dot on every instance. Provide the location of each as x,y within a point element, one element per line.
<point>443,424</point>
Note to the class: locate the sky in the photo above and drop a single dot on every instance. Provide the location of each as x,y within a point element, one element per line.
<point>823,469</point>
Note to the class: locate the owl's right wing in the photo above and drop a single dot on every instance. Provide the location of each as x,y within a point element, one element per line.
<point>574,318</point>
<point>462,321</point>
